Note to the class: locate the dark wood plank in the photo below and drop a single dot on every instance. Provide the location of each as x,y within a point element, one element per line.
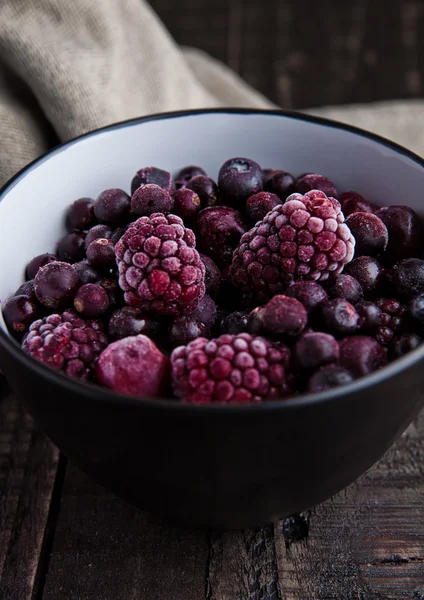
<point>28,463</point>
<point>366,543</point>
<point>105,549</point>
<point>243,565</point>
<point>304,54</point>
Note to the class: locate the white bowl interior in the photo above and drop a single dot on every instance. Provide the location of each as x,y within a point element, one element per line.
<point>32,208</point>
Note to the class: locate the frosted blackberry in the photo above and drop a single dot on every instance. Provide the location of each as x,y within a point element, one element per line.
<point>160,271</point>
<point>67,343</point>
<point>232,369</point>
<point>305,238</point>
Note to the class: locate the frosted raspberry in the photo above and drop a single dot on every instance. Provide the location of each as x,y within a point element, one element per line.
<point>231,369</point>
<point>305,238</point>
<point>160,271</point>
<point>67,343</point>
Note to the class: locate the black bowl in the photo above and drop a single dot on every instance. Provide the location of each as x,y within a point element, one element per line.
<point>219,466</point>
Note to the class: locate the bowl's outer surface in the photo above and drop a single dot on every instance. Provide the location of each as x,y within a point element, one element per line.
<point>209,466</point>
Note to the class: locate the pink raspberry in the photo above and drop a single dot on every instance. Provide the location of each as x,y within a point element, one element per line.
<point>231,369</point>
<point>305,238</point>
<point>67,343</point>
<point>160,271</point>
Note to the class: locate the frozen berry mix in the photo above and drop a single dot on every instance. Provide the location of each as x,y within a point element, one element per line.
<point>253,285</point>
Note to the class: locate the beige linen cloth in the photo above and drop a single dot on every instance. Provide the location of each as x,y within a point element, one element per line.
<point>68,66</point>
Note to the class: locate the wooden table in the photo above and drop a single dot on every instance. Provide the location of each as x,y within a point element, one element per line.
<point>62,537</point>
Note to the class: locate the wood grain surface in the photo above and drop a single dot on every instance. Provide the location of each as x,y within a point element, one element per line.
<point>28,464</point>
<point>302,53</point>
<point>105,549</point>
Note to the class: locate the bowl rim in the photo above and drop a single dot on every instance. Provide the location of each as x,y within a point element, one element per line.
<point>101,394</point>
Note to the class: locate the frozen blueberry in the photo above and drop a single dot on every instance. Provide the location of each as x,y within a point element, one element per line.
<point>183,177</point>
<point>205,188</point>
<point>258,205</point>
<point>26,289</point>
<point>56,284</point>
<point>129,321</point>
<point>309,293</point>
<point>367,271</point>
<point>313,181</point>
<point>186,204</point>
<point>19,312</point>
<point>369,315</point>
<point>37,262</point>
<point>212,276</point>
<point>407,277</point>
<point>96,232</point>
<point>313,350</point>
<point>284,315</point>
<point>117,234</point>
<point>362,355</point>
<point>185,329</point>
<point>240,178</point>
<point>255,323</point>
<point>345,286</point>
<point>152,175</point>
<point>329,377</point>
<point>234,323</point>
<point>392,319</point>
<point>404,343</point>
<point>416,308</point>
<point>114,292</point>
<point>86,272</point>
<point>101,254</point>
<point>71,248</point>
<point>353,202</point>
<point>370,233</point>
<point>205,312</point>
<point>339,316</point>
<point>112,207</point>
<point>280,183</point>
<point>149,199</point>
<point>406,232</point>
<point>80,215</point>
<point>91,300</point>
<point>219,231</point>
